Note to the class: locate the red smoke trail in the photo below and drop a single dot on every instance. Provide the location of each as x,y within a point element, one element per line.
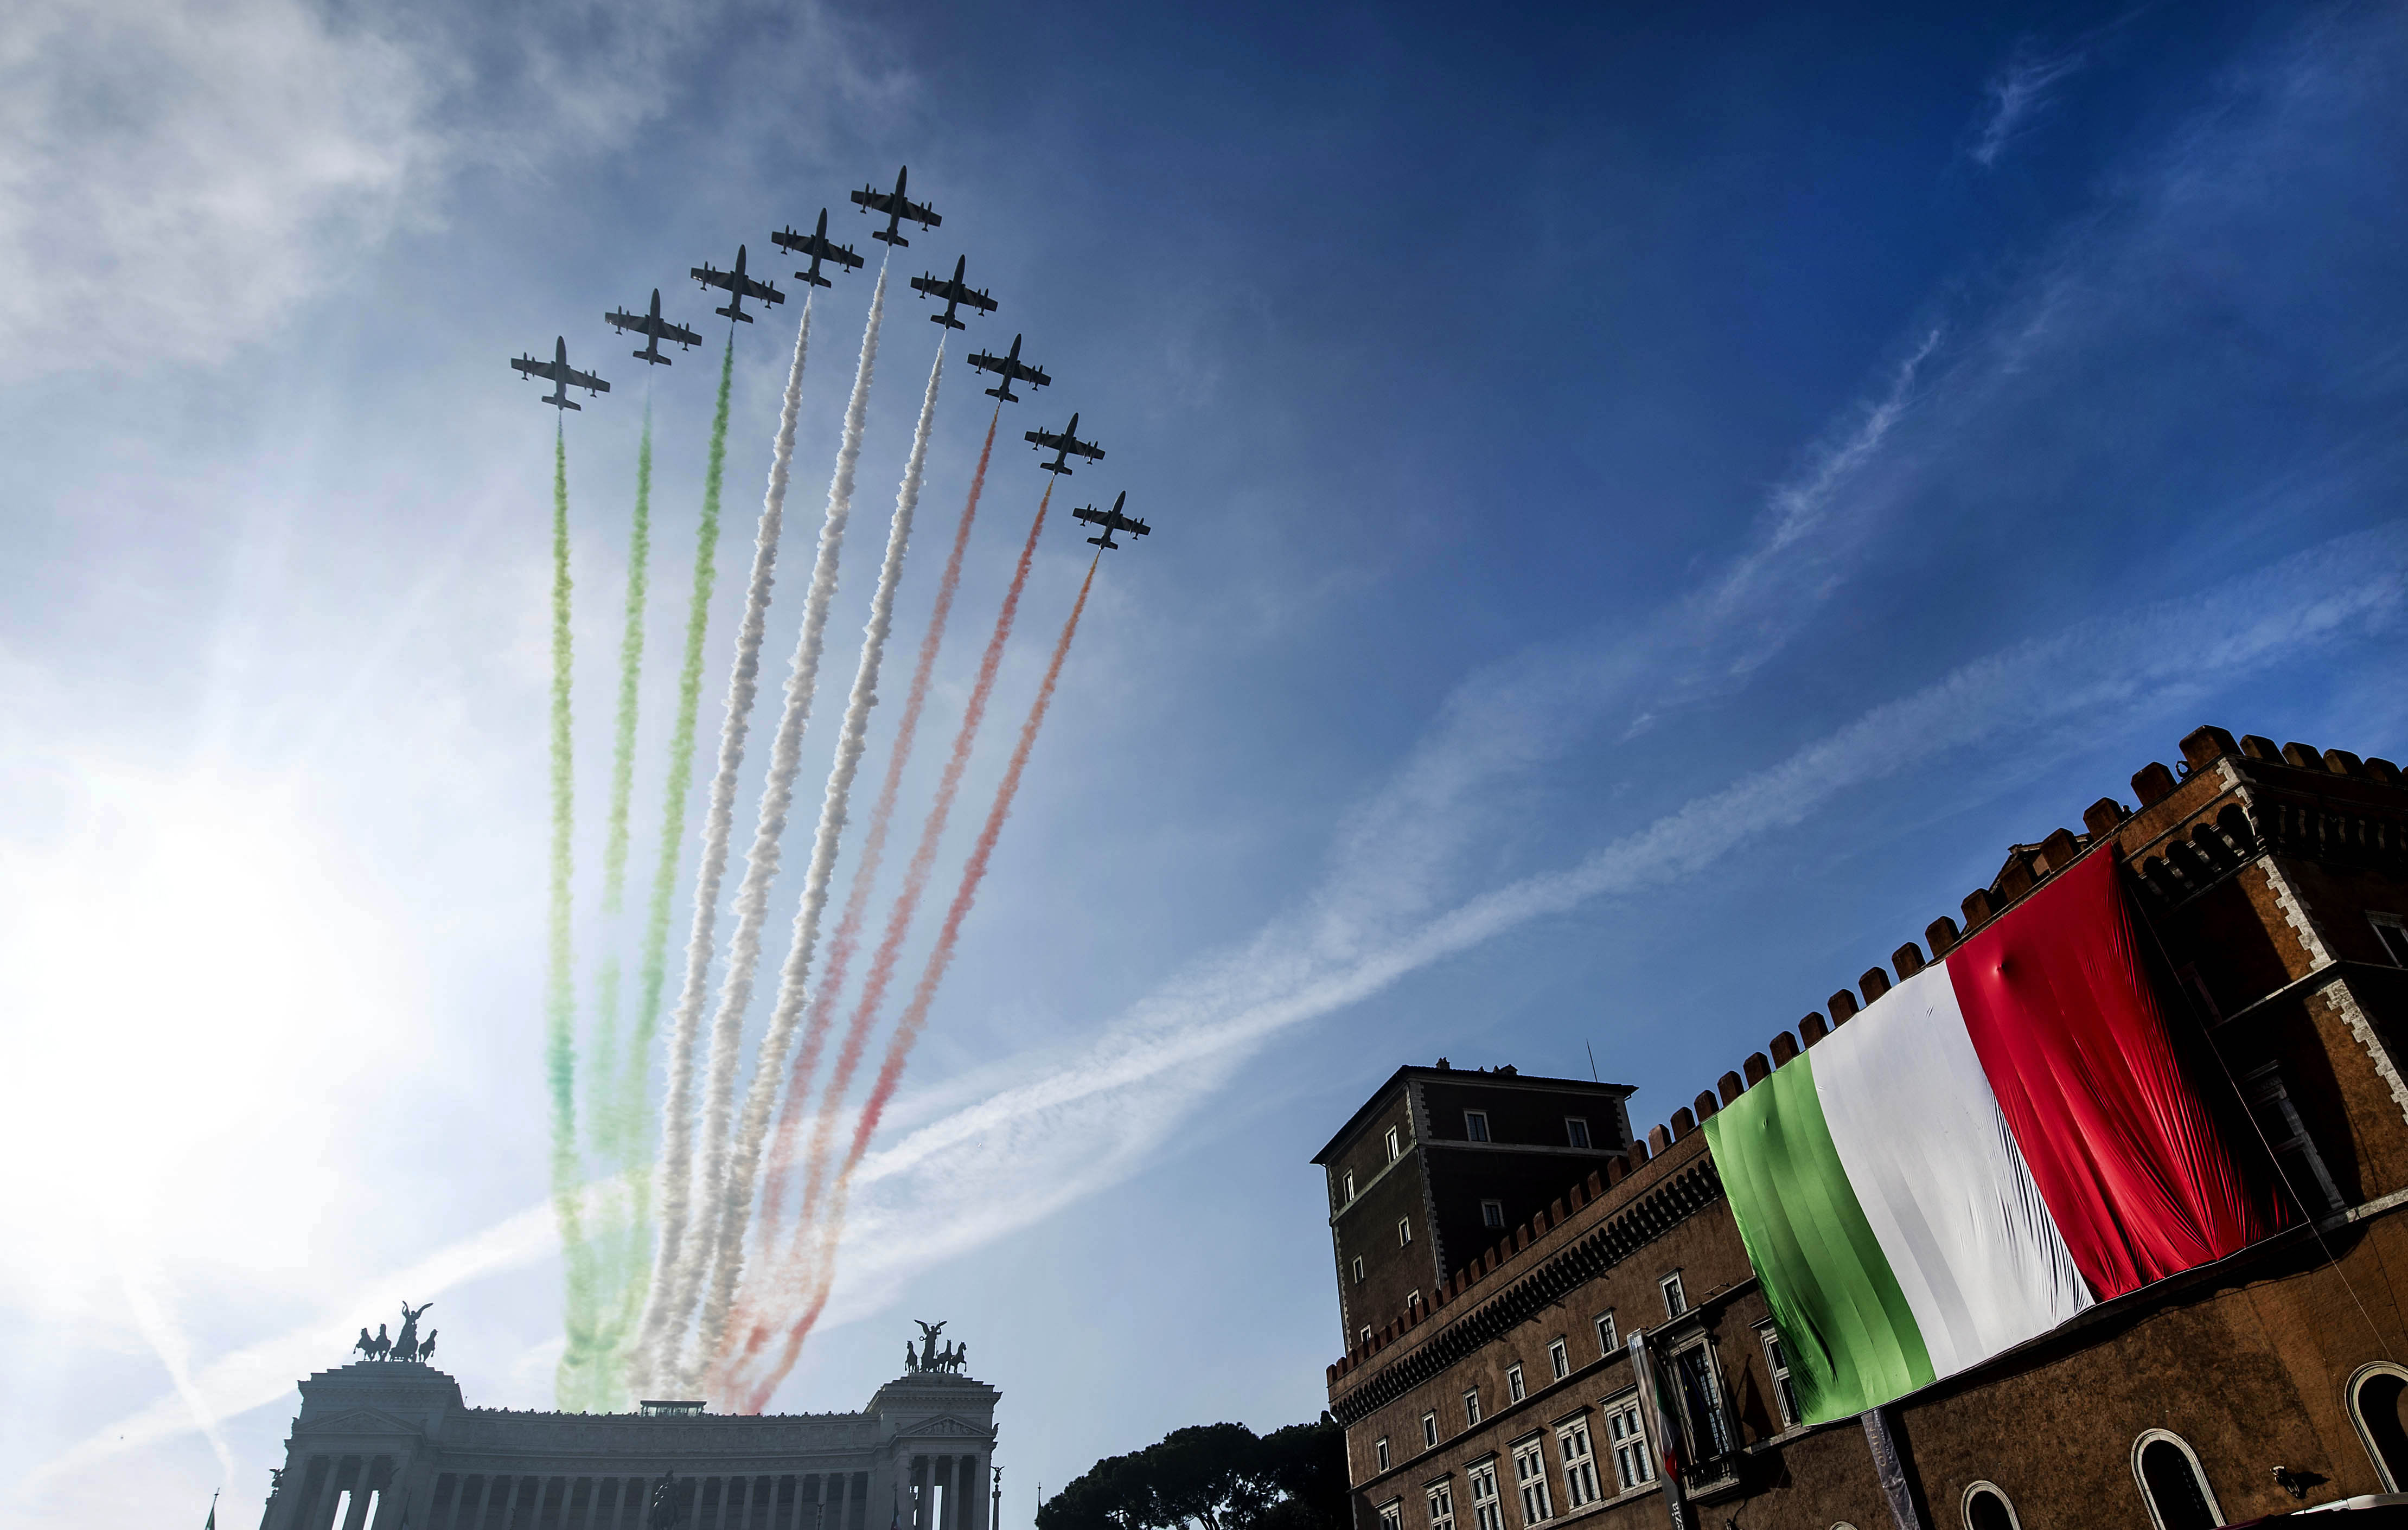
<point>785,1275</point>
<point>873,851</point>
<point>915,1015</point>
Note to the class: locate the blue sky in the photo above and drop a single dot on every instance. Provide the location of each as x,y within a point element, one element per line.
<point>1647,508</point>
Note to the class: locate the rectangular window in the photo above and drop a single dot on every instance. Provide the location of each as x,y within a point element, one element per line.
<point>1471,1407</point>
<point>1350,1187</point>
<point>1530,1477</point>
<point>1391,1515</point>
<point>1366,1336</point>
<point>1676,1300</point>
<point>1608,1339</point>
<point>1413,1302</point>
<point>1380,1452</point>
<point>1404,1231</point>
<point>1580,1464</point>
<point>2303,1168</point>
<point>1395,1145</point>
<point>1559,1359</point>
<point>1626,1434</point>
<point>1513,1384</point>
<point>1700,1388</point>
<point>1576,1131</point>
<point>1485,1511</point>
<point>1441,1505</point>
<point>2393,932</point>
<point>1475,1125</point>
<point>1776,1360</point>
<point>1358,1269</point>
<point>1429,1431</point>
<point>1492,1214</point>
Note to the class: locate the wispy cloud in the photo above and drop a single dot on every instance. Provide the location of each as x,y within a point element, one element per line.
<point>2019,92</point>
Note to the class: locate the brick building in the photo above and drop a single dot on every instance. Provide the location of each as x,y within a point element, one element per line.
<point>2269,886</point>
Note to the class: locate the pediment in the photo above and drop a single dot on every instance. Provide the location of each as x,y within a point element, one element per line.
<point>944,1425</point>
<point>358,1421</point>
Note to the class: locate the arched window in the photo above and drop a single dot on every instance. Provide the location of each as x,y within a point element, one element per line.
<point>1986,1509</point>
<point>2376,1395</point>
<point>2173,1485</point>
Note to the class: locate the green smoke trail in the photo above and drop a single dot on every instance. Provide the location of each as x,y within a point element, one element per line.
<point>560,999</point>
<point>602,1369</point>
<point>619,1242</point>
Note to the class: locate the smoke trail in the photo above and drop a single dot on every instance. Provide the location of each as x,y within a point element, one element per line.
<point>560,994</point>
<point>586,1378</point>
<point>915,878</point>
<point>874,855</point>
<point>735,1194</point>
<point>915,1014</point>
<point>786,1272</point>
<point>677,1282</point>
<point>677,1125</point>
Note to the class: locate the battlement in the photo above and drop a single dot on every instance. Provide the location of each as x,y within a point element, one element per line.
<point>2225,804</point>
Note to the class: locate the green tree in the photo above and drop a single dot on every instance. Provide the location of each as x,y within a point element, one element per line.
<point>1213,1477</point>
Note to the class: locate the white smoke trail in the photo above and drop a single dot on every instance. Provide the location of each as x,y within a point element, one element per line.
<point>677,1123</point>
<point>735,1199</point>
<point>751,902</point>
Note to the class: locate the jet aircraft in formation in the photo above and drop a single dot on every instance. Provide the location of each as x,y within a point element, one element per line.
<point>1010,368</point>
<point>562,376</point>
<point>897,207</point>
<point>955,292</point>
<point>738,286</point>
<point>654,328</point>
<point>1062,444</point>
<point>1112,520</point>
<point>819,247</point>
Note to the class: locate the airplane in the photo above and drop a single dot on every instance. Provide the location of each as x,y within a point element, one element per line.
<point>955,293</point>
<point>818,247</point>
<point>562,376</point>
<point>656,328</point>
<point>1063,445</point>
<point>737,285</point>
<point>897,207</point>
<point>1112,520</point>
<point>1010,368</point>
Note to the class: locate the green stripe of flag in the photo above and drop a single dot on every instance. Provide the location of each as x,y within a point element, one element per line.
<point>1853,1341</point>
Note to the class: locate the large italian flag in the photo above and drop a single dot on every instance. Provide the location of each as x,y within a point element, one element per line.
<point>2002,1140</point>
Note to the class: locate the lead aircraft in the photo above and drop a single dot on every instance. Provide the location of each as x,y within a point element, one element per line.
<point>562,376</point>
<point>739,286</point>
<point>1112,520</point>
<point>1063,445</point>
<point>1012,369</point>
<point>897,207</point>
<point>955,292</point>
<point>655,328</point>
<point>819,247</point>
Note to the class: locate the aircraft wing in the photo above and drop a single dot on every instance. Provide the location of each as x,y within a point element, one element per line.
<point>763,291</point>
<point>933,288</point>
<point>870,199</point>
<point>979,301</point>
<point>623,320</point>
<point>678,332</point>
<point>842,256</point>
<point>710,278</point>
<point>1031,374</point>
<point>917,213</point>
<point>535,369</point>
<point>1088,449</point>
<point>1045,438</point>
<point>580,380</point>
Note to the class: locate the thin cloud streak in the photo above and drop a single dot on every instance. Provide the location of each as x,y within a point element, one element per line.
<point>2019,92</point>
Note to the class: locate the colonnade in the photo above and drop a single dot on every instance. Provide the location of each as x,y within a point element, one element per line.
<point>551,1501</point>
<point>944,1491</point>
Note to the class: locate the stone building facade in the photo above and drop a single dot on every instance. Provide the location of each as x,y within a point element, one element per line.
<point>397,1438</point>
<point>2271,885</point>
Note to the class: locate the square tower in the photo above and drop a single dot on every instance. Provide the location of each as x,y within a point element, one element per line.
<point>1442,1162</point>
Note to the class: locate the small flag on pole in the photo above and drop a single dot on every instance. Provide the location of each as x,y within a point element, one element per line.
<point>211,1523</point>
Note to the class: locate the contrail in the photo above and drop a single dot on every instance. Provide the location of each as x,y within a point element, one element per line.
<point>915,878</point>
<point>915,1014</point>
<point>678,1273</point>
<point>874,855</point>
<point>735,1194</point>
<point>676,1111</point>
<point>560,993</point>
